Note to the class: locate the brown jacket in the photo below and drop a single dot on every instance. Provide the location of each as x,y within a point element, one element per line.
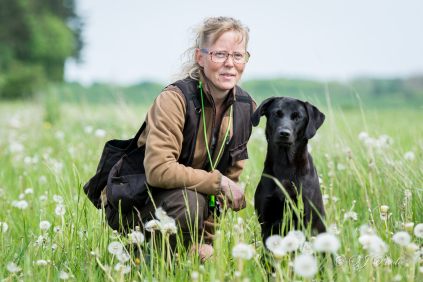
<point>163,139</point>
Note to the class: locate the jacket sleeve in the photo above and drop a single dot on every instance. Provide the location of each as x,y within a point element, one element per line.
<point>235,171</point>
<point>166,119</point>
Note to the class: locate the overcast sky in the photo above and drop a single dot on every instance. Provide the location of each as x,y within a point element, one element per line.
<point>130,41</point>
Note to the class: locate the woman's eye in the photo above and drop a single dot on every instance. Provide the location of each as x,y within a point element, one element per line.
<point>220,54</point>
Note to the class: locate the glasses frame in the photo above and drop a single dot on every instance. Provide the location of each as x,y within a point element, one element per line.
<point>211,57</point>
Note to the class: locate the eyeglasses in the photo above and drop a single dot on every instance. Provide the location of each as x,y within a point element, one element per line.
<point>221,56</point>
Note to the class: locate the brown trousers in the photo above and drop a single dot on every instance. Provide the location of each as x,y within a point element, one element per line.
<point>174,202</point>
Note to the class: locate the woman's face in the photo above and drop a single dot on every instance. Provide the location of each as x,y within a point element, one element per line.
<point>223,76</point>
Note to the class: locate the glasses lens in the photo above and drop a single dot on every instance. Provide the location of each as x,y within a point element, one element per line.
<point>219,57</point>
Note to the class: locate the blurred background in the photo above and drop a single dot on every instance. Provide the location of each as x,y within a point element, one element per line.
<point>353,53</point>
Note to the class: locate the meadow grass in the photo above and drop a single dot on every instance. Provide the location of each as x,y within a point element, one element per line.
<point>59,158</point>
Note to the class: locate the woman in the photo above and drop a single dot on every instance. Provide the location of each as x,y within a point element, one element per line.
<point>192,150</point>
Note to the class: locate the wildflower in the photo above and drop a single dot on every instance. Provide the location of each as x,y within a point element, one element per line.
<point>153,225</point>
<point>115,248</point>
<point>325,199</point>
<point>88,129</point>
<point>29,191</point>
<point>22,205</point>
<point>12,267</point>
<point>21,196</point>
<point>41,262</point>
<point>237,229</point>
<point>64,275</point>
<point>58,199</point>
<point>411,248</point>
<point>350,215</point>
<point>305,265</point>
<point>401,238</point>
<point>240,221</point>
<point>307,248</point>
<point>374,244</point>
<point>136,237</point>
<point>326,242</point>
<point>384,209</point>
<point>3,227</point>
<point>59,134</point>
<point>194,275</point>
<point>367,230</point>
<point>333,229</point>
<point>335,199</point>
<point>42,179</point>
<point>100,133</point>
<point>121,267</point>
<point>122,256</point>
<point>44,225</point>
<point>363,136</point>
<point>60,210</point>
<point>383,216</point>
<point>409,226</point>
<point>57,229</point>
<point>418,230</point>
<point>160,214</point>
<point>340,260</point>
<point>43,198</point>
<point>169,225</point>
<point>290,243</point>
<point>54,246</point>
<point>274,244</point>
<point>409,156</point>
<point>242,251</point>
<point>341,167</point>
<point>298,234</point>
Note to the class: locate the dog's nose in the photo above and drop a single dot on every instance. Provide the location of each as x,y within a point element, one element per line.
<point>285,133</point>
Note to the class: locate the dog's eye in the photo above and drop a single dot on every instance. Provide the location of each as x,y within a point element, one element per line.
<point>298,117</point>
<point>276,114</point>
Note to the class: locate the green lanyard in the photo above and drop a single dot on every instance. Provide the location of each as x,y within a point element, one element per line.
<point>212,199</point>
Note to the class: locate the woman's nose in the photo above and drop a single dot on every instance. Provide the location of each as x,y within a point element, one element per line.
<point>229,61</point>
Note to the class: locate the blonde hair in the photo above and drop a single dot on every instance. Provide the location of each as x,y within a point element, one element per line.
<point>201,38</point>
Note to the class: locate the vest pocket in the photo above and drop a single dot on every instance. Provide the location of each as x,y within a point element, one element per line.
<point>238,153</point>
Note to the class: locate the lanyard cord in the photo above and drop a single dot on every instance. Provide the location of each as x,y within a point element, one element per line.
<point>205,131</point>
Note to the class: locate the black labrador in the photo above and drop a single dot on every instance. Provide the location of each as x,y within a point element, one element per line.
<point>290,124</point>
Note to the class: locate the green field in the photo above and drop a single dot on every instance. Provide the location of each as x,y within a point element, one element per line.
<point>58,158</point>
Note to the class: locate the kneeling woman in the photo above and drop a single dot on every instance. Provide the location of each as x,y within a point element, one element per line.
<point>196,135</point>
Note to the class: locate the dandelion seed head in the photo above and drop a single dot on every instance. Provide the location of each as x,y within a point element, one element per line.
<point>12,267</point>
<point>350,215</point>
<point>44,225</point>
<point>41,262</point>
<point>305,265</point>
<point>169,226</point>
<point>333,229</point>
<point>290,243</point>
<point>307,248</point>
<point>64,275</point>
<point>153,225</point>
<point>3,227</point>
<point>115,248</point>
<point>29,191</point>
<point>401,238</point>
<point>160,214</point>
<point>363,136</point>
<point>88,129</point>
<point>100,133</point>
<point>121,267</point>
<point>341,167</point>
<point>58,199</point>
<point>236,229</point>
<point>384,209</point>
<point>59,134</point>
<point>60,210</point>
<point>418,230</point>
<point>43,198</point>
<point>22,204</point>
<point>137,237</point>
<point>122,257</point>
<point>298,234</point>
<point>242,251</point>
<point>409,226</point>
<point>274,244</point>
<point>326,242</point>
<point>21,196</point>
<point>409,156</point>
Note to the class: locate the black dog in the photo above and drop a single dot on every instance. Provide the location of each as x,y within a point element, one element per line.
<point>290,124</point>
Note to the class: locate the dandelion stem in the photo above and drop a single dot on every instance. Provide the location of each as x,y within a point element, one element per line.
<point>102,267</point>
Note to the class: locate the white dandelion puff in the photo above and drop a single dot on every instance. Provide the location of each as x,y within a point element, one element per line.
<point>57,229</point>
<point>363,136</point>
<point>58,199</point>
<point>409,156</point>
<point>137,237</point>
<point>333,229</point>
<point>274,244</point>
<point>41,262</point>
<point>401,238</point>
<point>298,234</point>
<point>384,209</point>
<point>44,225</point>
<point>43,198</point>
<point>29,191</point>
<point>169,226</point>
<point>121,267</point>
<point>326,242</point>
<point>42,179</point>
<point>153,225</point>
<point>115,248</point>
<point>60,210</point>
<point>350,215</point>
<point>341,167</point>
<point>408,193</point>
<point>64,275</point>
<point>22,204</point>
<point>307,248</point>
<point>21,196</point>
<point>3,227</point>
<point>88,129</point>
<point>418,230</point>
<point>409,226</point>
<point>100,133</point>
<point>12,267</point>
<point>305,265</point>
<point>325,199</point>
<point>290,243</point>
<point>160,214</point>
<point>122,257</point>
<point>243,251</point>
<point>59,134</point>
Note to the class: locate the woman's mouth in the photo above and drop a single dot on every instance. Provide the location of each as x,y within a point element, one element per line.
<point>228,75</point>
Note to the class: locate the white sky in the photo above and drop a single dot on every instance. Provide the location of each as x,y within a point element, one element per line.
<point>130,41</point>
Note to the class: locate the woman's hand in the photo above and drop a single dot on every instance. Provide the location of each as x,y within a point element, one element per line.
<point>234,193</point>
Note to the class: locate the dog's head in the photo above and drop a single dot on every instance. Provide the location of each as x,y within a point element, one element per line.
<point>288,120</point>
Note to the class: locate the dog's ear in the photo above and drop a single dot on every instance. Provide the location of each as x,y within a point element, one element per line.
<point>315,120</point>
<point>255,118</point>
